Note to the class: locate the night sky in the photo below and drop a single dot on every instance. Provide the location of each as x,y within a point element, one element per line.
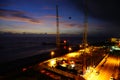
<point>39,16</point>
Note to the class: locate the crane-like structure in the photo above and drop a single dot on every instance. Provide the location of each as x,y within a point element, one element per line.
<point>57,31</point>
<point>85,43</point>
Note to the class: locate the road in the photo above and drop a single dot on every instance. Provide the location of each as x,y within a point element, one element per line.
<point>106,69</point>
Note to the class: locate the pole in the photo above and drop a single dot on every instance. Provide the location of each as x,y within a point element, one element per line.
<point>85,23</point>
<point>85,35</point>
<point>57,25</point>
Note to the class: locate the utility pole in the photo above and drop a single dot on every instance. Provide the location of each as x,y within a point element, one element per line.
<point>57,31</point>
<point>85,44</point>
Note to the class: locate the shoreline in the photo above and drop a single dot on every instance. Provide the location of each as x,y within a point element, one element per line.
<point>17,65</point>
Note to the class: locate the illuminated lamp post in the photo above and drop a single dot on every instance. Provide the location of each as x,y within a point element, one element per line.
<point>70,49</point>
<point>80,46</point>
<point>52,54</point>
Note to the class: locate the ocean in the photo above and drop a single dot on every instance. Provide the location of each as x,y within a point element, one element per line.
<point>23,46</point>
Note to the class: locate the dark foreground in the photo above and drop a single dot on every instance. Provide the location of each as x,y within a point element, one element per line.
<point>15,67</point>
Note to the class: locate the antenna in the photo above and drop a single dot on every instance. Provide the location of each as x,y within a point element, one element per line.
<point>57,31</point>
<point>85,44</point>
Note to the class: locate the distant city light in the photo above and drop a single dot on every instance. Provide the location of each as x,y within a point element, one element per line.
<point>24,69</point>
<point>70,49</point>
<point>65,41</point>
<point>52,54</point>
<point>115,48</point>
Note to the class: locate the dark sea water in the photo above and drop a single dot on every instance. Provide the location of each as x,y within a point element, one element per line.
<point>18,47</point>
<point>12,48</point>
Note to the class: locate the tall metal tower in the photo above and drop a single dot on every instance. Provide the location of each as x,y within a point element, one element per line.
<point>85,43</point>
<point>57,31</point>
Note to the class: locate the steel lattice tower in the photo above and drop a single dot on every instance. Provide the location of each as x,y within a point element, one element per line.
<point>57,31</point>
<point>85,43</point>
<point>85,24</point>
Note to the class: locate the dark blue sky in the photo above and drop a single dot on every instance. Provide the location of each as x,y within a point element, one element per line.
<point>38,16</point>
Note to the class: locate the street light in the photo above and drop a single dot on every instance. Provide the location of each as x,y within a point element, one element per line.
<point>80,46</point>
<point>70,49</point>
<point>52,54</point>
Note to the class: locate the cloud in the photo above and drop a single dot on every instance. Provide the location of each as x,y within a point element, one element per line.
<point>3,5</point>
<point>48,8</point>
<point>102,10</point>
<point>70,25</point>
<point>17,16</point>
<point>51,16</point>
